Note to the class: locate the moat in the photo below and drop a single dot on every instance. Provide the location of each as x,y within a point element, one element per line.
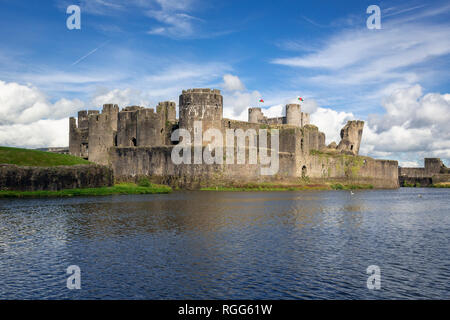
<point>228,245</point>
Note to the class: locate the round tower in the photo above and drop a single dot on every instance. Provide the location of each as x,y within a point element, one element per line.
<point>205,105</point>
<point>293,114</point>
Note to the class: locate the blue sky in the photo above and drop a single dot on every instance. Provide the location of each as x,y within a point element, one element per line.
<point>143,52</point>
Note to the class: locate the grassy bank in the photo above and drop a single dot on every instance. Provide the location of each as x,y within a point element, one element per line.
<point>288,187</point>
<point>441,185</point>
<point>36,158</point>
<point>123,188</point>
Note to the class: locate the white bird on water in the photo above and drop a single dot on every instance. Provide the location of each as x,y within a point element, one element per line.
<point>351,192</point>
<point>420,196</point>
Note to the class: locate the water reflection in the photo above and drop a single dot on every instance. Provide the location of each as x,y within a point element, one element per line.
<point>274,245</point>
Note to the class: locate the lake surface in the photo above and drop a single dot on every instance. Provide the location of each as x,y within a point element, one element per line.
<point>229,245</point>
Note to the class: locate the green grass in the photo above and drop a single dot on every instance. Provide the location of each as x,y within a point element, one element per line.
<point>27,157</point>
<point>123,188</point>
<point>441,185</point>
<point>340,186</point>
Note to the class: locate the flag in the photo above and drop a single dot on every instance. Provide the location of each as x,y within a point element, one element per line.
<point>261,100</point>
<point>300,98</point>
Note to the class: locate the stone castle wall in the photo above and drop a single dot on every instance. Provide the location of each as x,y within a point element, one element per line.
<point>21,178</point>
<point>434,171</point>
<point>137,141</point>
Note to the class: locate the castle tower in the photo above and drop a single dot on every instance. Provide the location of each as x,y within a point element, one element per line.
<point>204,105</point>
<point>102,133</point>
<point>79,135</point>
<point>293,114</point>
<point>351,136</point>
<point>127,127</point>
<point>433,165</point>
<point>167,110</point>
<point>304,119</point>
<point>255,115</point>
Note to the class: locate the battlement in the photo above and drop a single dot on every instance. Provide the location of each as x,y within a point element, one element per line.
<point>137,126</point>
<point>293,117</point>
<point>204,105</point>
<point>201,90</point>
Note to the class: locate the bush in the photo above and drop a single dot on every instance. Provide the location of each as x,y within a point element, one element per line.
<point>144,182</point>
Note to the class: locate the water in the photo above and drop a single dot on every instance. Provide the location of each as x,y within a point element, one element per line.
<point>228,245</point>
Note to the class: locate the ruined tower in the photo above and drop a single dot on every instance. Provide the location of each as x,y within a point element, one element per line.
<point>79,135</point>
<point>255,115</point>
<point>204,105</point>
<point>102,133</point>
<point>127,127</point>
<point>351,136</point>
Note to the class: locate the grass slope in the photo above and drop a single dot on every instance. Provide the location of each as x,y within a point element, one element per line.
<point>27,157</point>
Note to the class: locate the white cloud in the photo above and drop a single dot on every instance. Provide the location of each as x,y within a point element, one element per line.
<point>356,64</point>
<point>237,103</point>
<point>177,25</point>
<point>414,126</point>
<point>410,164</point>
<point>28,119</point>
<point>232,83</point>
<point>330,122</point>
<point>38,134</point>
<point>125,97</point>
<point>26,104</point>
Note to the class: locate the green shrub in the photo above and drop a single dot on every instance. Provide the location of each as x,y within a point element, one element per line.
<point>144,182</point>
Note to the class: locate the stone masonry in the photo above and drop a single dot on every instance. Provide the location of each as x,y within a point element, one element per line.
<point>137,141</point>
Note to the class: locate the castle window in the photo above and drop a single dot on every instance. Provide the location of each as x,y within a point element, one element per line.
<point>301,144</point>
<point>133,141</point>
<point>304,171</point>
<point>351,147</point>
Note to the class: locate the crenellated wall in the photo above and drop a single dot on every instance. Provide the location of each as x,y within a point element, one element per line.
<point>434,171</point>
<point>137,141</point>
<point>204,105</point>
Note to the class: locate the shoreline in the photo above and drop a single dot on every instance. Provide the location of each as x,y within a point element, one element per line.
<point>298,187</point>
<point>117,189</point>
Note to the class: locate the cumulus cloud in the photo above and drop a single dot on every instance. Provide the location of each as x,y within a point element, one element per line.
<point>232,83</point>
<point>331,122</point>
<point>124,97</point>
<point>237,103</point>
<point>28,119</point>
<point>26,104</point>
<point>41,133</point>
<point>414,126</point>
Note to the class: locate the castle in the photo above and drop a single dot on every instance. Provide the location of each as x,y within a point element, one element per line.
<point>136,141</point>
<point>433,172</point>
